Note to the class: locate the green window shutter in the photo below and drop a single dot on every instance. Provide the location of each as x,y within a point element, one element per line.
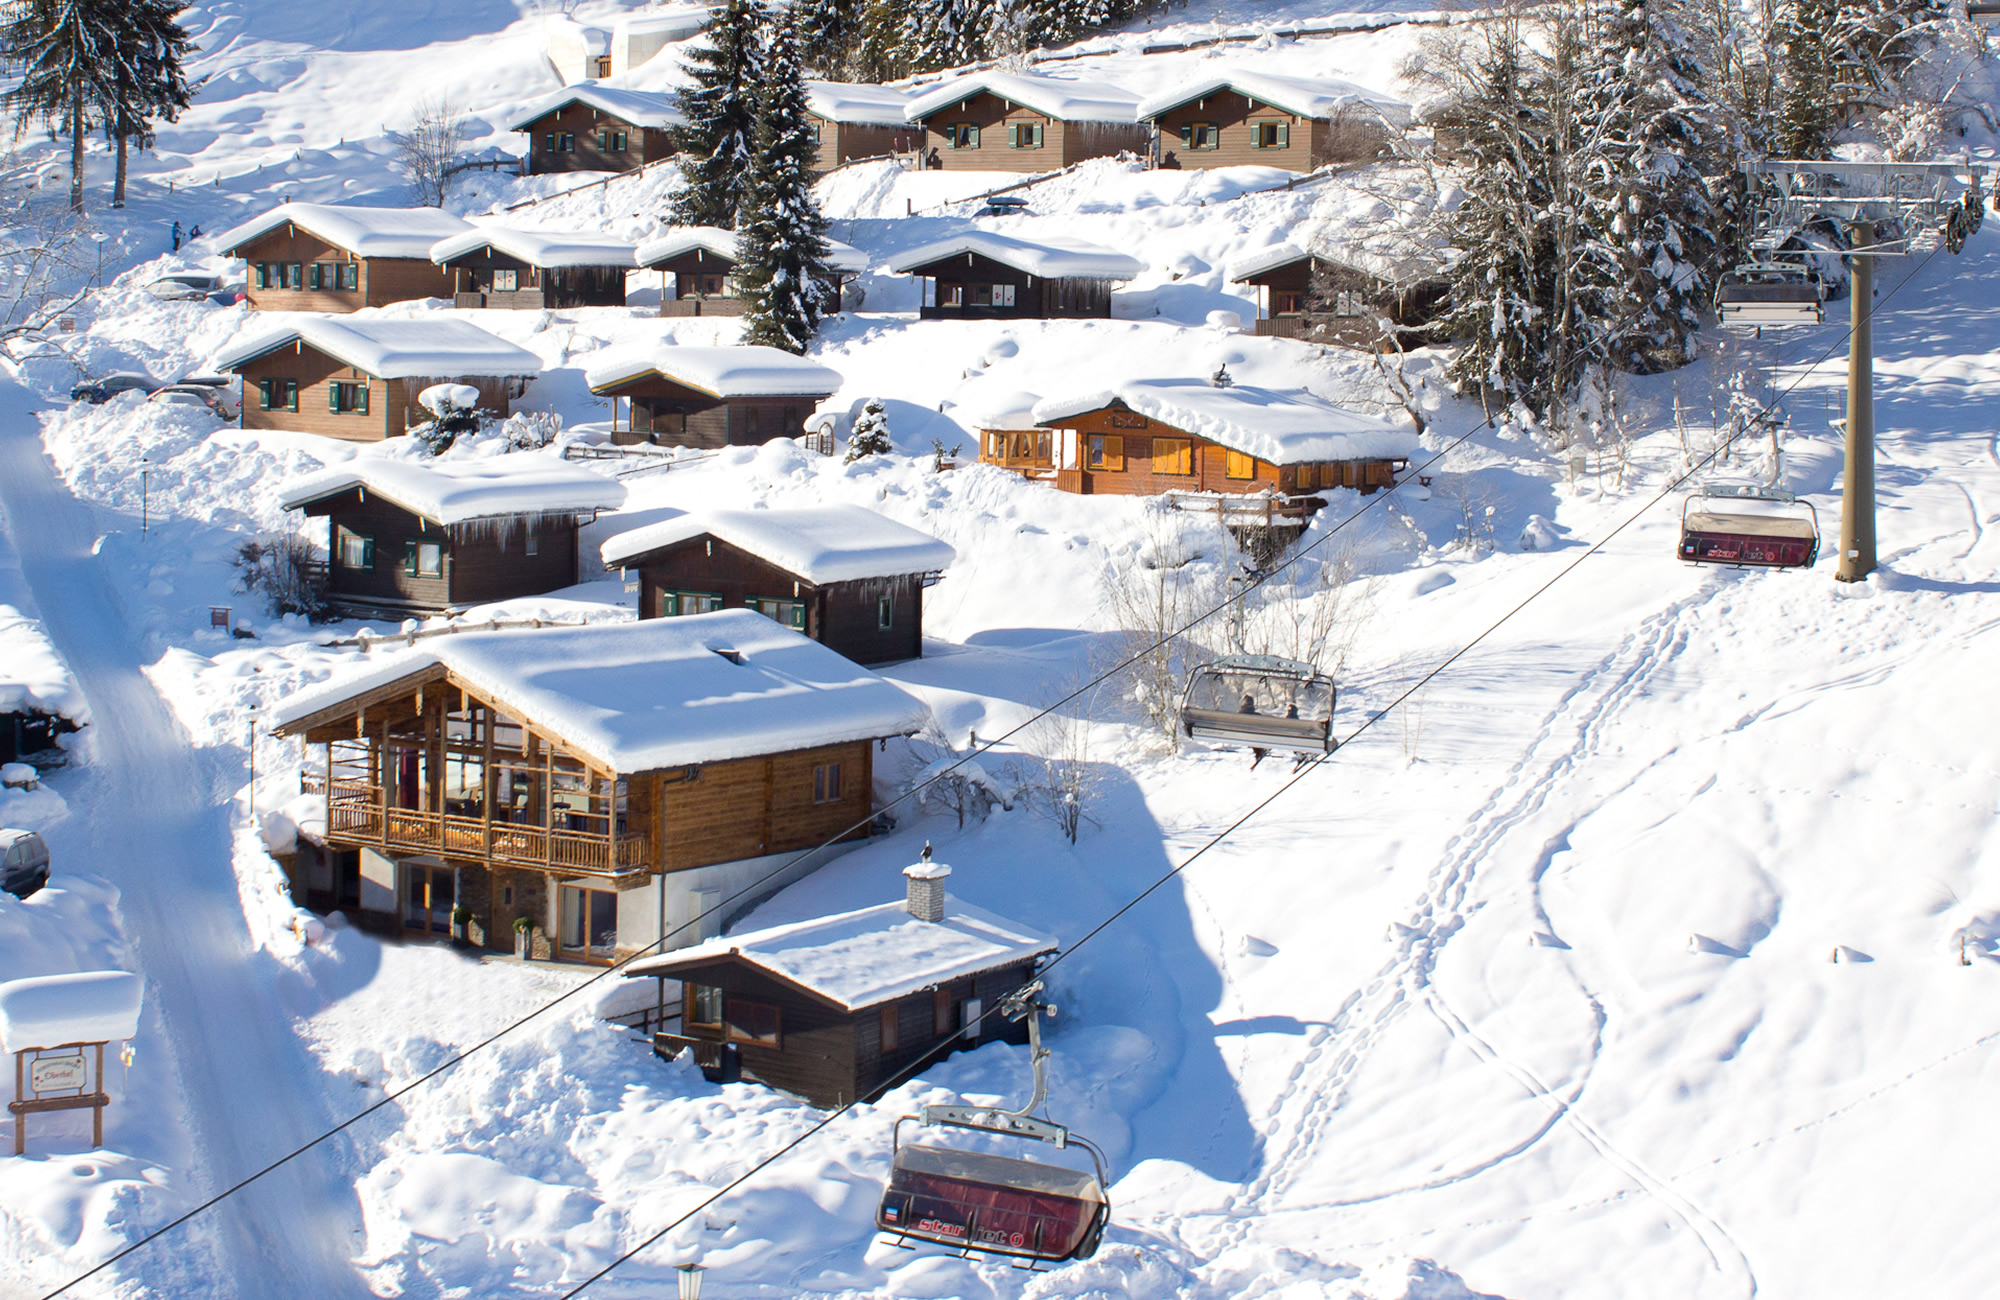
<point>798,619</point>
<point>1038,135</point>
<point>361,398</point>
<point>1187,133</point>
<point>313,277</point>
<point>291,394</point>
<point>263,394</point>
<point>333,397</point>
<point>1284,135</point>
<point>972,138</point>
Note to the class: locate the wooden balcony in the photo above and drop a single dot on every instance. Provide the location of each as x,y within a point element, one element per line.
<point>357,815</point>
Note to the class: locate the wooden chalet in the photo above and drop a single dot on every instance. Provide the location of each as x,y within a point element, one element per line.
<point>593,787</point>
<point>491,266</point>
<point>326,258</point>
<point>1244,118</point>
<point>984,275</point>
<point>1020,122</point>
<point>359,379</point>
<point>1240,450</point>
<point>709,396</point>
<point>845,576</point>
<point>852,121</point>
<point>1367,302</point>
<point>834,1009</point>
<point>701,261</point>
<point>39,699</point>
<point>423,537</point>
<point>598,128</point>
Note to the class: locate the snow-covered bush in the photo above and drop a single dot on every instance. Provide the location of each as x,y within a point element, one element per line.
<point>871,432</point>
<point>454,411</point>
<point>280,570</point>
<point>531,430</point>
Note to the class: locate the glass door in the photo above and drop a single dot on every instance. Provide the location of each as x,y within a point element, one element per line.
<point>429,894</point>
<point>589,922</point>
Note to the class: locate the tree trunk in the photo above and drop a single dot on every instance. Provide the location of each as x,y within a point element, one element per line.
<point>118,177</point>
<point>76,152</point>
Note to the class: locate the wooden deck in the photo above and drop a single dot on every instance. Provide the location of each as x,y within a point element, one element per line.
<point>356,815</point>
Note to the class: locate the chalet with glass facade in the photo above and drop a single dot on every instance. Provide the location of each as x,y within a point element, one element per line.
<point>837,1008</point>
<point>846,577</point>
<point>697,266</point>
<point>598,128</point>
<point>589,789</point>
<point>359,379</point>
<point>983,275</point>
<point>852,121</point>
<point>709,397</point>
<point>1256,119</point>
<point>1391,306</point>
<point>1019,122</point>
<point>424,537</point>
<point>491,266</point>
<point>336,258</point>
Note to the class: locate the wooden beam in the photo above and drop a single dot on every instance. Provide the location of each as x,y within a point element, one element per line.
<point>353,704</point>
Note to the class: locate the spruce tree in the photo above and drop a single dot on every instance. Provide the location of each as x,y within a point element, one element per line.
<point>147,81</point>
<point>717,146</point>
<point>944,33</point>
<point>781,240</point>
<point>1809,109</point>
<point>829,35</point>
<point>67,52</point>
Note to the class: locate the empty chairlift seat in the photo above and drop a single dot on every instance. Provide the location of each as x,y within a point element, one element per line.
<point>994,1204</point>
<point>1262,702</point>
<point>1749,526</point>
<point>1768,302</point>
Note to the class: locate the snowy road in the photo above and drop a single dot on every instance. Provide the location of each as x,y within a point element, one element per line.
<point>155,821</point>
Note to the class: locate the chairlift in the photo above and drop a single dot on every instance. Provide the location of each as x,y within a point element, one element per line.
<point>1261,702</point>
<point>977,1202</point>
<point>1754,303</point>
<point>1748,525</point>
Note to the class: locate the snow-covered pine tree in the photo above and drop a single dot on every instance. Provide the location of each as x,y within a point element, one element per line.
<point>1809,110</point>
<point>147,81</point>
<point>944,34</point>
<point>781,239</point>
<point>879,54</point>
<point>829,34</point>
<point>717,146</point>
<point>870,436</point>
<point>65,51</point>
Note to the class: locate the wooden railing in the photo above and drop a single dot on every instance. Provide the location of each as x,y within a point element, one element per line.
<point>356,814</point>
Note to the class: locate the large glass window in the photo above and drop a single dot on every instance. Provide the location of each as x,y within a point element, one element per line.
<point>423,559</point>
<point>589,921</point>
<point>704,1004</point>
<point>792,613</point>
<point>506,281</point>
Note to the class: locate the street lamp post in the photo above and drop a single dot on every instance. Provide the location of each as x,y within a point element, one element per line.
<point>145,490</point>
<point>690,1280</point>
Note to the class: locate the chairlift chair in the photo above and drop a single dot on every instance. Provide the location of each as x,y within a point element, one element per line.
<point>977,1202</point>
<point>1775,302</point>
<point>1747,525</point>
<point>1262,702</point>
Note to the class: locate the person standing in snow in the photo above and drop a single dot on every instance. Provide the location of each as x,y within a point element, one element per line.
<point>177,237</point>
<point>194,232</point>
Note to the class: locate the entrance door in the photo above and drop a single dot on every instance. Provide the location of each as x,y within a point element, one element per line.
<point>589,922</point>
<point>429,894</point>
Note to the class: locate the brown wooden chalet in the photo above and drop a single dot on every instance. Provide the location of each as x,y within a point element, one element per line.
<point>317,257</point>
<point>836,1008</point>
<point>845,576</point>
<point>709,396</point>
<point>1391,307</point>
<point>1257,119</point>
<point>591,787</point>
<point>414,537</point>
<point>852,121</point>
<point>491,266</point>
<point>598,128</point>
<point>697,266</point>
<point>984,275</point>
<point>1016,122</point>
<point>359,379</point>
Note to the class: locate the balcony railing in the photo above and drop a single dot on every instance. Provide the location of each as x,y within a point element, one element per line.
<point>357,814</point>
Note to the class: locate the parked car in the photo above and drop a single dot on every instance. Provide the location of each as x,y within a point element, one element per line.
<point>96,391</point>
<point>208,397</point>
<point>24,862</point>
<point>1004,205</point>
<point>190,287</point>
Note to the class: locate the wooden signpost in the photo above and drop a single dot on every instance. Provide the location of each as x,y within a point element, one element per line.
<point>56,1027</point>
<point>58,1078</point>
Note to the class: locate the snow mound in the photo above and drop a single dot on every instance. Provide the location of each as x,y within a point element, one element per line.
<point>57,1010</point>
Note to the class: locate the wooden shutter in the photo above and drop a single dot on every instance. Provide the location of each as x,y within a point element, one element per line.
<point>1239,466</point>
<point>1114,451</point>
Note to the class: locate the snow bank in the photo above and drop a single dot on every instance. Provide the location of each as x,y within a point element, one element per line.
<point>1050,256</point>
<point>1284,428</point>
<point>57,1010</point>
<point>32,675</point>
<point>540,248</point>
<point>457,491</point>
<point>432,346</point>
<point>839,543</point>
<point>363,231</point>
<point>719,372</point>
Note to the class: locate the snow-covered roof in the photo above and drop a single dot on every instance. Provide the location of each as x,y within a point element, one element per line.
<point>458,491</point>
<point>847,101</point>
<point>1061,98</point>
<point>821,544</point>
<point>543,248</point>
<point>642,108</point>
<point>676,240</point>
<point>1269,259</point>
<point>33,677</point>
<point>440,347</point>
<point>1401,266</point>
<point>869,956</point>
<point>1305,96</point>
<point>658,693</point>
<point>985,404</point>
<point>92,1006</point>
<point>1049,256</point>
<point>1286,427</point>
<point>718,371</point>
<point>364,232</point>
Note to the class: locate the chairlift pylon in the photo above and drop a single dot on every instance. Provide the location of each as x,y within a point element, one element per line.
<point>977,1202</point>
<point>1748,525</point>
<point>1260,702</point>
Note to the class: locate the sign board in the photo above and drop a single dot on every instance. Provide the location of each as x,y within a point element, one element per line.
<point>67,325</point>
<point>58,1074</point>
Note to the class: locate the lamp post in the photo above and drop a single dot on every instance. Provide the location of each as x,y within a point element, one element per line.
<point>691,1281</point>
<point>145,489</point>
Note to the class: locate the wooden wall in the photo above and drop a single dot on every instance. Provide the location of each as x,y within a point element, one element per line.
<point>841,142</point>
<point>1209,462</point>
<point>556,287</point>
<point>670,415</point>
<point>754,806</point>
<point>814,1058</point>
<point>383,279</point>
<point>1063,143</point>
<point>1035,297</point>
<point>481,564</point>
<point>392,403</point>
<point>916,1023</point>
<point>642,145</point>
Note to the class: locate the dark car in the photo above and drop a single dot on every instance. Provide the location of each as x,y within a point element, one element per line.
<point>24,862</point>
<point>96,391</point>
<point>1004,205</point>
<point>186,288</point>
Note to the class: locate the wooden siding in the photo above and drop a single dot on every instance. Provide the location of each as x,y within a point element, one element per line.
<point>642,144</point>
<point>486,562</point>
<point>875,1070</point>
<point>1063,143</point>
<point>392,403</point>
<point>1283,296</point>
<point>383,280</point>
<point>754,806</point>
<point>1352,135</point>
<point>556,287</point>
<point>1035,297</point>
<point>840,142</point>
<point>672,415</point>
<point>1208,460</point>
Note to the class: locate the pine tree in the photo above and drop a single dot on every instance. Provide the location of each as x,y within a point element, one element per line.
<point>829,35</point>
<point>781,241</point>
<point>717,146</point>
<point>944,34</point>
<point>871,432</point>
<point>67,52</point>
<point>1809,110</point>
<point>147,80</point>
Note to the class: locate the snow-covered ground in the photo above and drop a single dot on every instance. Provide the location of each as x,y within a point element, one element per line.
<point>1643,952</point>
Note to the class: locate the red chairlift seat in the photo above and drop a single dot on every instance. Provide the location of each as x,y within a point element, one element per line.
<point>995,1204</point>
<point>1749,526</point>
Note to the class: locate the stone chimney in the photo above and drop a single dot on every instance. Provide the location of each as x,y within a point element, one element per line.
<point>926,891</point>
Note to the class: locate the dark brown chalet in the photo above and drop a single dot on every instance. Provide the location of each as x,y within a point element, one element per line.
<point>419,537</point>
<point>492,266</point>
<point>316,257</point>
<point>1259,120</point>
<point>983,275</point>
<point>583,791</point>
<point>846,577</point>
<point>852,121</point>
<point>702,263</point>
<point>1016,122</point>
<point>598,128</point>
<point>1391,308</point>
<point>709,396</point>
<point>836,1008</point>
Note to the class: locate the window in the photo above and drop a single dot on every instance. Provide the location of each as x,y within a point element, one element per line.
<point>944,1013</point>
<point>1107,452</point>
<point>791,613</point>
<point>295,275</point>
<point>1173,456</point>
<point>1285,302</point>
<point>506,281</point>
<point>562,142</point>
<point>750,1022</point>
<point>1238,465</point>
<point>1200,135</point>
<point>993,295</point>
<point>356,550</point>
<point>1349,302</point>
<point>609,141</point>
<point>333,275</point>
<point>1024,135</point>
<point>277,394</point>
<point>892,1031</point>
<point>706,286</point>
<point>347,398</point>
<point>826,783</point>
<point>704,1004</point>
<point>532,544</point>
<point>1270,135</point>
<point>951,295</point>
<point>603,65</point>
<point>262,273</point>
<point>885,612</point>
<point>589,921</point>
<point>675,603</point>
<point>423,559</point>
<point>961,135</point>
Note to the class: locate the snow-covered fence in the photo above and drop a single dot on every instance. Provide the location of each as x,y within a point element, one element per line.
<point>366,640</point>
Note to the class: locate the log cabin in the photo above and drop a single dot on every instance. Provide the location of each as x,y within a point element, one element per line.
<point>1238,449</point>
<point>984,275</point>
<point>1367,301</point>
<point>845,576</point>
<point>1256,119</point>
<point>598,789</point>
<point>326,258</point>
<point>836,1008</point>
<point>701,261</point>
<point>423,537</point>
<point>598,128</point>
<point>359,379</point>
<point>1021,122</point>
<point>852,121</point>
<point>492,266</point>
<point>709,396</point>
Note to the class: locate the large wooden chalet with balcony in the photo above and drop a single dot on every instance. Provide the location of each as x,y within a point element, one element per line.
<point>1242,118</point>
<point>985,275</point>
<point>709,396</point>
<point>334,258</point>
<point>359,379</point>
<point>593,788</point>
<point>700,262</point>
<point>1021,122</point>
<point>493,266</point>
<point>598,128</point>
<point>1365,301</point>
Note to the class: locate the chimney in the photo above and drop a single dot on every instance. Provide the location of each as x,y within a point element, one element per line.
<point>926,891</point>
